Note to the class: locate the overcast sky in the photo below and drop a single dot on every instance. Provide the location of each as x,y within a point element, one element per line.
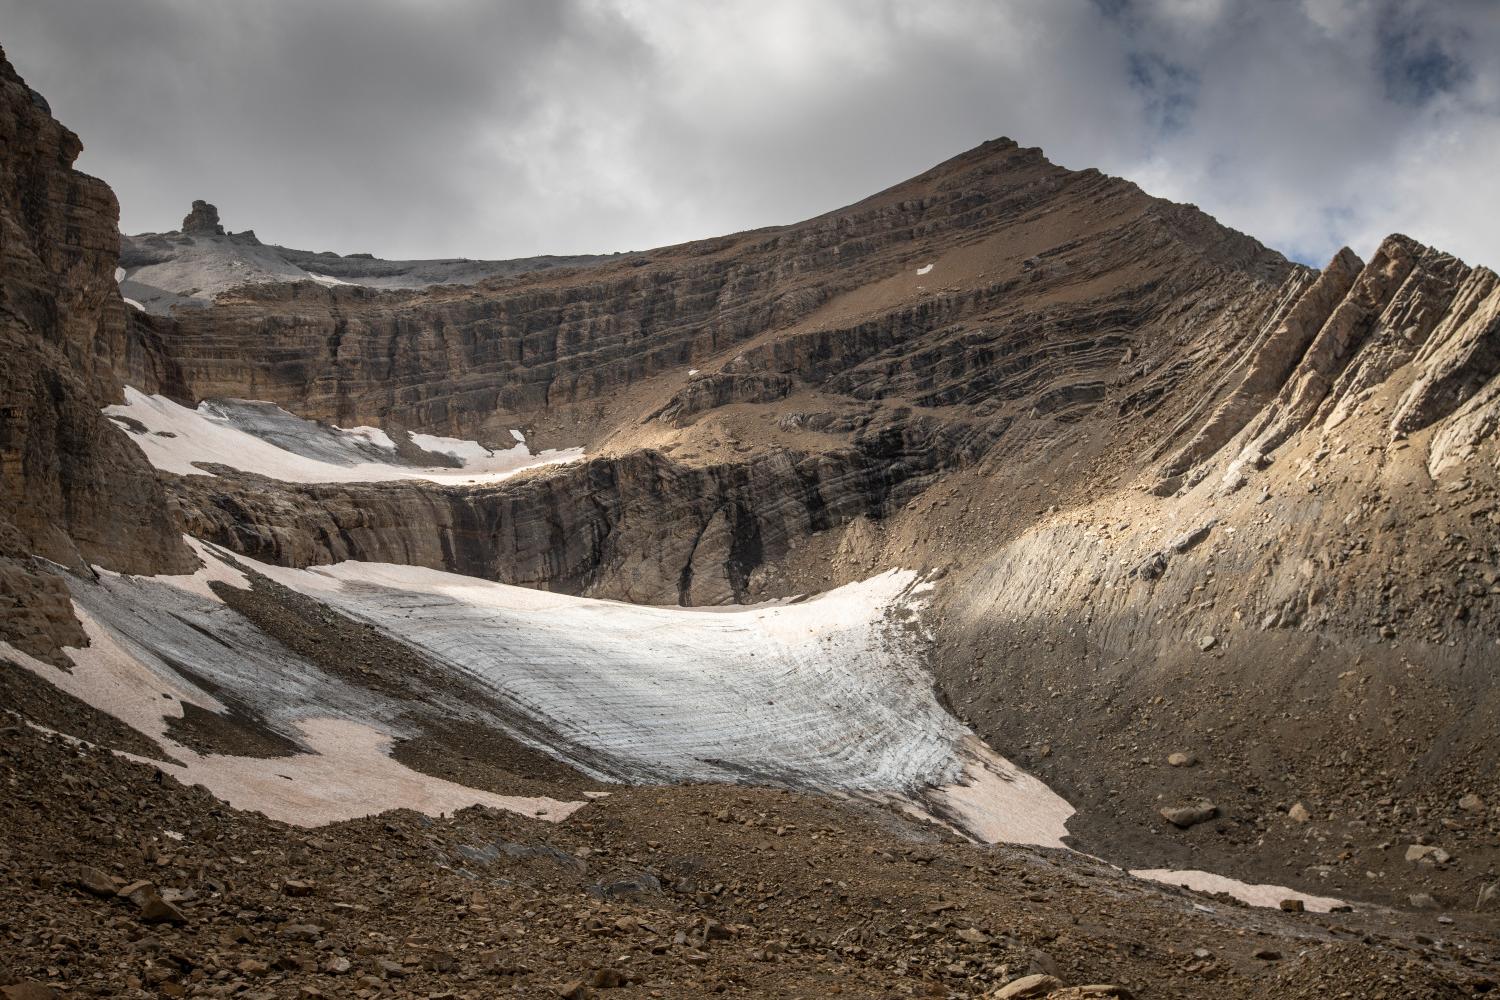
<point>499,129</point>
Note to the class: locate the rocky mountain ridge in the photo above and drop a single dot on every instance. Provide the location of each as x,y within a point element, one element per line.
<point>191,266</point>
<point>1210,536</point>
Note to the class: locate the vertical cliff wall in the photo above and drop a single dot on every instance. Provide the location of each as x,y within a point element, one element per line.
<point>72,488</point>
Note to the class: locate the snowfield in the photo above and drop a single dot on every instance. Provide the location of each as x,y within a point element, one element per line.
<point>262,439</point>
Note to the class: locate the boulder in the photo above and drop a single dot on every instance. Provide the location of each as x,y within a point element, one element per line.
<point>1027,987</point>
<point>1185,816</point>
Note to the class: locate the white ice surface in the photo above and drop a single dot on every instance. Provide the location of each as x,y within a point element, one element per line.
<point>327,279</point>
<point>177,439</point>
<point>826,694</point>
<point>924,269</point>
<point>1255,895</point>
<point>476,458</point>
<point>132,303</point>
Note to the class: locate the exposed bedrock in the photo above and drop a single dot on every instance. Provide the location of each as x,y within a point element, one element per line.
<point>641,527</point>
<point>1335,555</point>
<point>71,485</point>
<point>447,359</point>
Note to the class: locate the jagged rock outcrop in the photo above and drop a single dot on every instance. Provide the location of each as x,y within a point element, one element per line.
<point>73,488</point>
<point>203,220</point>
<point>721,389</point>
<point>1459,360</point>
<point>190,267</point>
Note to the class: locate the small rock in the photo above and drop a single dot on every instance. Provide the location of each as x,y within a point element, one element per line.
<point>1292,906</point>
<point>1427,853</point>
<point>28,991</point>
<point>1267,955</point>
<point>336,965</point>
<point>1298,813</point>
<point>1423,901</point>
<point>94,882</point>
<point>1182,759</point>
<point>1191,815</point>
<point>137,890</point>
<point>156,910</point>
<point>973,935</point>
<point>574,990</point>
<point>1471,803</point>
<point>1207,642</point>
<point>390,969</point>
<point>607,979</point>
<point>253,967</point>
<point>301,932</point>
<point>296,887</point>
<point>1028,987</point>
<point>1043,963</point>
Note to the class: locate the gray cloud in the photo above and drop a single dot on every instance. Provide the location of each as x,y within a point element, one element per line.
<point>491,129</point>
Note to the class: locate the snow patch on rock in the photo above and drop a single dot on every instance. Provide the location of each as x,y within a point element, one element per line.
<point>285,447</point>
<point>1254,894</point>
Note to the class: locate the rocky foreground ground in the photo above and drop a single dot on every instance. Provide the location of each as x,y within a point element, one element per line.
<point>117,881</point>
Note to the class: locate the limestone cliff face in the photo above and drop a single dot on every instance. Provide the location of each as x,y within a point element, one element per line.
<point>71,485</point>
<point>450,359</point>
<point>978,313</point>
<point>639,527</point>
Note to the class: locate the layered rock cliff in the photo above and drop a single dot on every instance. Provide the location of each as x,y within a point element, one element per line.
<point>70,485</point>
<point>452,358</point>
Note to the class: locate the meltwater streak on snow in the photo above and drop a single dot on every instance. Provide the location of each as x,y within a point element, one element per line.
<point>176,438</point>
